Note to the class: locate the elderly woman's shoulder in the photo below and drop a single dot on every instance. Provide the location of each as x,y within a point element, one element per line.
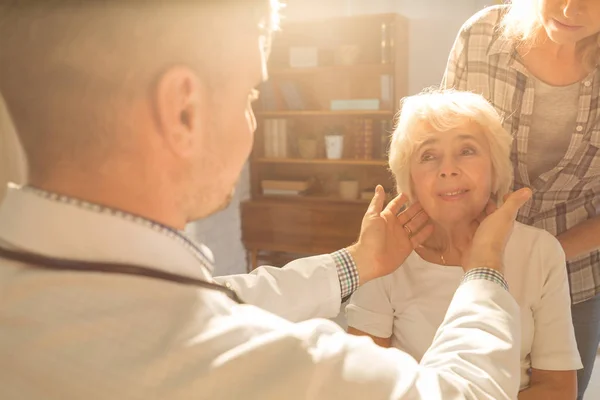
<point>486,20</point>
<point>532,237</point>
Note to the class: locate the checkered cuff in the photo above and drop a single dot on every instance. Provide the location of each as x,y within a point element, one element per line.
<point>347,272</point>
<point>486,273</point>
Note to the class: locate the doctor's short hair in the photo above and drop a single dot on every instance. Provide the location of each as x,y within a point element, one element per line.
<point>442,110</point>
<point>68,66</point>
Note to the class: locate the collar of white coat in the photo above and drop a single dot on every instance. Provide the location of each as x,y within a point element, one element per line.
<point>58,226</point>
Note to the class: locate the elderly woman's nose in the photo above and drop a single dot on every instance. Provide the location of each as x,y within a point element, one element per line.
<point>448,167</point>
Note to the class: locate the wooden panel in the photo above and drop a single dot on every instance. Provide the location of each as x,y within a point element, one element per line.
<point>300,228</point>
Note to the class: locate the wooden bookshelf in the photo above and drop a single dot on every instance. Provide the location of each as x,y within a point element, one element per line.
<point>336,69</point>
<point>309,198</point>
<point>323,75</point>
<point>325,161</point>
<point>323,113</point>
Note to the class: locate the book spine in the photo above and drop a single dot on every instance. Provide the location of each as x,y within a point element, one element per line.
<point>268,138</point>
<point>368,139</point>
<point>358,139</point>
<point>282,148</point>
<point>275,138</point>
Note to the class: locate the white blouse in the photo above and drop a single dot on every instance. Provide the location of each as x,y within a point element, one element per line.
<point>410,304</point>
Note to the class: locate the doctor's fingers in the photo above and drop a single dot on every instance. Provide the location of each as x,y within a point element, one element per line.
<point>395,206</point>
<point>410,213</point>
<point>414,223</point>
<point>489,209</point>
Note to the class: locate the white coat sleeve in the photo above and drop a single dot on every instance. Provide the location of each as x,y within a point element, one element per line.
<point>303,289</point>
<point>475,355</point>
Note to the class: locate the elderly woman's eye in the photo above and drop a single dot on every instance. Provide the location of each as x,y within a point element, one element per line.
<point>467,151</point>
<point>427,157</point>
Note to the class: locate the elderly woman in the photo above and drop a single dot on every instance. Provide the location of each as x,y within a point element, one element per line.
<point>536,61</point>
<point>450,153</point>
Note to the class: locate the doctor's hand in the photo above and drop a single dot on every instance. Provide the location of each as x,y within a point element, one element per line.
<point>388,236</point>
<point>493,231</point>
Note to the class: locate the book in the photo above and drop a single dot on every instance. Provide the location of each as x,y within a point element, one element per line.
<point>281,192</point>
<point>363,139</point>
<point>275,138</point>
<point>291,95</point>
<point>294,185</point>
<point>357,104</point>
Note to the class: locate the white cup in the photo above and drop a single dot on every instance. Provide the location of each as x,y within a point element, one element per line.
<point>334,146</point>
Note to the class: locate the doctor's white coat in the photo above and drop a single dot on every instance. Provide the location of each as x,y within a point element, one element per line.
<point>73,335</point>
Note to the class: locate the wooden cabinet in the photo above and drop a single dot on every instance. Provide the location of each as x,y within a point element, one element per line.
<point>331,78</point>
<point>299,227</point>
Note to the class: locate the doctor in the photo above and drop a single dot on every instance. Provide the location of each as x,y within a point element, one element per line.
<point>136,119</point>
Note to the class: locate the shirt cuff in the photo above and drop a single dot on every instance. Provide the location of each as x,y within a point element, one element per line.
<point>488,274</point>
<point>347,272</point>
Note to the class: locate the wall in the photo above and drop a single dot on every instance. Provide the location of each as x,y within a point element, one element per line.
<point>221,232</point>
<point>432,28</point>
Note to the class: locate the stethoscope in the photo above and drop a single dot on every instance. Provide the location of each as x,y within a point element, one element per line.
<point>60,264</point>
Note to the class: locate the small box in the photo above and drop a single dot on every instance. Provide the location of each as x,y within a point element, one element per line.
<point>284,185</point>
<point>304,57</point>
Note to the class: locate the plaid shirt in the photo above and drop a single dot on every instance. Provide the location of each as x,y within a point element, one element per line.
<point>483,62</point>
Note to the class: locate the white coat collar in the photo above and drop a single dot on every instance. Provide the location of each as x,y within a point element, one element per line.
<point>58,226</point>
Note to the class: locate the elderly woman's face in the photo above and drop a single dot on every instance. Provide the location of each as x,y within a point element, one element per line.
<point>569,21</point>
<point>451,174</point>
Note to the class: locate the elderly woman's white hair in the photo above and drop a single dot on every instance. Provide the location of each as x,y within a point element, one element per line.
<point>521,24</point>
<point>442,110</point>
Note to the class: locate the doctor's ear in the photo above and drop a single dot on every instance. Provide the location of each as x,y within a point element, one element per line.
<point>185,119</point>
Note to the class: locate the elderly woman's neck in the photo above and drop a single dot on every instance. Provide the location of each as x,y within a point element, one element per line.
<point>450,237</point>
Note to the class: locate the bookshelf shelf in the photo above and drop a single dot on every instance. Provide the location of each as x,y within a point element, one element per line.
<point>335,69</point>
<point>324,161</point>
<point>310,198</point>
<point>323,113</point>
<point>357,65</point>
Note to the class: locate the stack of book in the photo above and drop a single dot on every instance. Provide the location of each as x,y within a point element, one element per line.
<point>363,138</point>
<point>275,137</point>
<point>284,188</point>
